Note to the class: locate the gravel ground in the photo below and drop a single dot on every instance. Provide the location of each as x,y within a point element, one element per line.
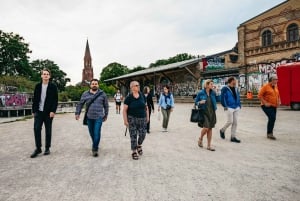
<point>173,167</point>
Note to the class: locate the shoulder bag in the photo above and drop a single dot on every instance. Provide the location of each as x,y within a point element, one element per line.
<point>88,107</point>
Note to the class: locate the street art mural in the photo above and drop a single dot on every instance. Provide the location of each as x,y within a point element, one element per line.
<point>7,100</point>
<point>213,63</point>
<point>270,68</point>
<point>185,89</point>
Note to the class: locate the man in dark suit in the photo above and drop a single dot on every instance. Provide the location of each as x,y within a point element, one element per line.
<point>45,100</point>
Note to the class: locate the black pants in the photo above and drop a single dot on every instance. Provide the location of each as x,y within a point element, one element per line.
<point>148,124</point>
<point>39,119</point>
<point>271,114</point>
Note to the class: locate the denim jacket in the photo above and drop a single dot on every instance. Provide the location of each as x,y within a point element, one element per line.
<point>163,102</point>
<point>203,96</point>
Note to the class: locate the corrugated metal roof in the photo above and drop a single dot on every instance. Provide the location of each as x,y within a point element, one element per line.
<point>157,69</point>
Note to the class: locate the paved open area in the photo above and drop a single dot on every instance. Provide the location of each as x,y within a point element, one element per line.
<point>173,167</point>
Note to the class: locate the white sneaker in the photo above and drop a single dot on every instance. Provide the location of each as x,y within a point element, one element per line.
<point>164,130</point>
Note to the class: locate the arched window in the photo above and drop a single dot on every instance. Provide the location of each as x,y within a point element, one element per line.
<point>266,38</point>
<point>292,32</point>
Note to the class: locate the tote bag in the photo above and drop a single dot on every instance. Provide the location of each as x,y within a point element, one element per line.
<point>197,115</point>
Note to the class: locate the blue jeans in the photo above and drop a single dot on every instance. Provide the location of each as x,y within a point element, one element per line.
<point>94,126</point>
<point>271,114</point>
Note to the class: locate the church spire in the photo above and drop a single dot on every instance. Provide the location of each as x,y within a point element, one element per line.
<point>87,56</point>
<point>87,72</point>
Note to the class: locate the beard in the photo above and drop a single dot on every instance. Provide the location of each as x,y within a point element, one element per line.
<point>94,89</point>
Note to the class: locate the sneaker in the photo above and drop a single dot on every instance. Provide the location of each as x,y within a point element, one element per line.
<point>47,151</point>
<point>164,130</point>
<point>234,139</point>
<point>222,134</point>
<point>36,153</point>
<point>271,137</point>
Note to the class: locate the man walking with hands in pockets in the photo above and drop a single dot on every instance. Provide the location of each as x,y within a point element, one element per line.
<point>230,100</point>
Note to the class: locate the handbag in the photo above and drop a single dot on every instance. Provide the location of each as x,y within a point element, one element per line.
<point>87,108</point>
<point>197,115</point>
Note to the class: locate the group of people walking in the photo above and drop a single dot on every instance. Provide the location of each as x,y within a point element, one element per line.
<point>138,107</point>
<point>230,100</point>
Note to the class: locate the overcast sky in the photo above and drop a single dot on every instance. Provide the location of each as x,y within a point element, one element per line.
<point>131,32</point>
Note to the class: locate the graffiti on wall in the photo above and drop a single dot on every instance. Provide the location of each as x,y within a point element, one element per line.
<point>185,89</point>
<point>270,68</point>
<point>213,63</point>
<point>7,100</point>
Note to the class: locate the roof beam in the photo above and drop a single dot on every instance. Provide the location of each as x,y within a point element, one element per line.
<point>190,72</point>
<point>167,76</point>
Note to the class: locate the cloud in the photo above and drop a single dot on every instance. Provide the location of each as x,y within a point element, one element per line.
<point>131,32</point>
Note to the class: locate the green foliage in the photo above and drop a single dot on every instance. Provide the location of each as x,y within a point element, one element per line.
<point>14,55</point>
<point>73,92</point>
<point>175,59</point>
<point>138,68</point>
<point>58,76</point>
<point>63,96</point>
<point>113,70</point>
<point>108,89</point>
<point>22,83</point>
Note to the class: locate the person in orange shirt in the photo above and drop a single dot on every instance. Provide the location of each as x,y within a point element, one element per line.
<point>269,97</point>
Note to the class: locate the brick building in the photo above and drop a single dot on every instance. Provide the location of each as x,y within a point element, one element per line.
<point>268,40</point>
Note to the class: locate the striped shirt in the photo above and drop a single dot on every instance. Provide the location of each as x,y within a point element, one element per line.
<point>99,108</point>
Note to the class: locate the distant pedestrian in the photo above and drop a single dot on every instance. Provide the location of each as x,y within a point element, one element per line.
<point>206,100</point>
<point>45,100</point>
<point>166,104</point>
<point>149,100</point>
<point>270,100</point>
<point>118,99</point>
<point>97,113</point>
<point>157,95</point>
<point>135,116</point>
<point>230,100</point>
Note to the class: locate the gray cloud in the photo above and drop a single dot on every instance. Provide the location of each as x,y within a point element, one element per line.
<point>131,32</point>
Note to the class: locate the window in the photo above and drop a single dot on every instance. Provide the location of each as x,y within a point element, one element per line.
<point>292,32</point>
<point>266,38</point>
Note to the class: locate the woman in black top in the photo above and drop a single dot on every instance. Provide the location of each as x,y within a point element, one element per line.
<point>149,100</point>
<point>136,117</point>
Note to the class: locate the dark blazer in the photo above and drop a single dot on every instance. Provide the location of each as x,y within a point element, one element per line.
<point>150,102</point>
<point>51,100</point>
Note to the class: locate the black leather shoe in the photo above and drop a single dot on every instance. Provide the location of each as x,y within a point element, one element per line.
<point>95,153</point>
<point>222,134</point>
<point>36,153</point>
<point>47,152</point>
<point>235,140</point>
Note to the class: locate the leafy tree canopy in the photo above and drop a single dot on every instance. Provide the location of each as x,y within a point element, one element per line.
<point>175,59</point>
<point>138,68</point>
<point>14,55</point>
<point>113,70</point>
<point>58,76</point>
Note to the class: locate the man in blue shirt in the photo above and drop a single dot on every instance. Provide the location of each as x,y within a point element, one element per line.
<point>230,100</point>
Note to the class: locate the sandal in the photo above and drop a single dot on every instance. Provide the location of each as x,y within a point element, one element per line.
<point>200,143</point>
<point>140,150</point>
<point>135,156</point>
<point>210,149</point>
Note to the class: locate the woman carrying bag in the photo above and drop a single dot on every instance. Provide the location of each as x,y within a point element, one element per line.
<point>166,103</point>
<point>206,100</point>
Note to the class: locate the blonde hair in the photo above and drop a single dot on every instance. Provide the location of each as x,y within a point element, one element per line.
<point>207,82</point>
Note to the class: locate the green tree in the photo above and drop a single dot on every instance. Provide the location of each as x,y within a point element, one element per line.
<point>175,59</point>
<point>14,59</point>
<point>138,68</point>
<point>113,70</point>
<point>58,76</point>
<point>22,83</point>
